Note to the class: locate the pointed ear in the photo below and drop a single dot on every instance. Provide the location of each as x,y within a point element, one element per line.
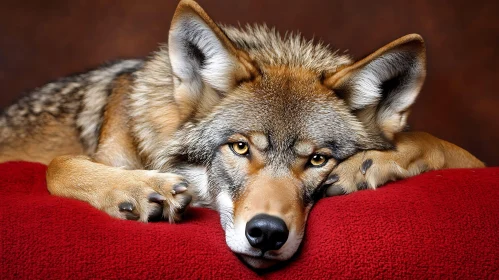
<point>202,56</point>
<point>381,88</point>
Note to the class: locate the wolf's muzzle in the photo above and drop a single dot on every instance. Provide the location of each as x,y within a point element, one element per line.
<point>266,232</point>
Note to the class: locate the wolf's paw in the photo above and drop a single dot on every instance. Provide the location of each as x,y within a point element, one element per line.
<point>365,170</point>
<point>148,195</point>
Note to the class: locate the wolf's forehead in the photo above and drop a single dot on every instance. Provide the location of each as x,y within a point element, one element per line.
<point>285,102</point>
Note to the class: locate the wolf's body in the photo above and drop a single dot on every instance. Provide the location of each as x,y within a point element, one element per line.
<point>255,123</point>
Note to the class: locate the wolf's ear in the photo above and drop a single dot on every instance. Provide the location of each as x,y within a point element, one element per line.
<point>202,56</point>
<point>381,87</point>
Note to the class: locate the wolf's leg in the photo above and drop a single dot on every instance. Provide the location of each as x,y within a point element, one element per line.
<point>125,194</point>
<point>113,180</point>
<point>414,153</point>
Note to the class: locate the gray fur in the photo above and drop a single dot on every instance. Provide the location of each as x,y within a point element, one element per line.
<point>267,47</point>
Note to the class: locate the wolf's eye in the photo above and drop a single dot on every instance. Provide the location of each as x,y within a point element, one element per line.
<point>318,160</point>
<point>239,148</point>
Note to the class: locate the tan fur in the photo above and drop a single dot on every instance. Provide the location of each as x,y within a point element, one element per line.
<point>116,145</point>
<point>415,153</point>
<point>105,187</point>
<point>53,139</point>
<point>284,192</point>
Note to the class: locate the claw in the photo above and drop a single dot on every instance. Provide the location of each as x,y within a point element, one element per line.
<point>365,165</point>
<point>156,197</point>
<point>126,206</point>
<point>179,188</point>
<point>332,179</point>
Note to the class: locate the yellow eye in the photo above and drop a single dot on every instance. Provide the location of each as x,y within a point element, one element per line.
<point>239,148</point>
<point>318,160</point>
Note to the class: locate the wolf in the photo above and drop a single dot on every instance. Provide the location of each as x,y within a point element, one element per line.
<point>256,125</point>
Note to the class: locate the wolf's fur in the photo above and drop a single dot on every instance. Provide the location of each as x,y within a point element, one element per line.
<point>129,136</point>
<point>75,104</point>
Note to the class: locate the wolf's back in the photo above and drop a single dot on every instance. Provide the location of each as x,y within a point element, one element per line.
<point>50,117</point>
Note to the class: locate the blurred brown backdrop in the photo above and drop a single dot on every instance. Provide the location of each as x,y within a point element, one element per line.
<point>43,40</point>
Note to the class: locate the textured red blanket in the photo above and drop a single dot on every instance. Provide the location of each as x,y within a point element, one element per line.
<point>442,224</point>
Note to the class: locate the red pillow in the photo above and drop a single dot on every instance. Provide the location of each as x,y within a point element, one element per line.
<point>442,224</point>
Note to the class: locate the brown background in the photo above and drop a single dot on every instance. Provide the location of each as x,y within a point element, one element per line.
<point>43,40</point>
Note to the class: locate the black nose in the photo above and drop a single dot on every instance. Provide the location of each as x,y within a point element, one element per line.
<point>266,232</point>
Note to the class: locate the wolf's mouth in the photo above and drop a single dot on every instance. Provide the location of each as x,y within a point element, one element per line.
<point>258,262</point>
<point>263,255</point>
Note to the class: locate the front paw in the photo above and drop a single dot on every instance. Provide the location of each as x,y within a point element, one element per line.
<point>148,195</point>
<point>365,170</point>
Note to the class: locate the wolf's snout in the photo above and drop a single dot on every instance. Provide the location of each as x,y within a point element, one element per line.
<point>266,232</point>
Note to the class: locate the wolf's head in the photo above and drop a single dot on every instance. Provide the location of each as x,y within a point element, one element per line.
<point>269,117</point>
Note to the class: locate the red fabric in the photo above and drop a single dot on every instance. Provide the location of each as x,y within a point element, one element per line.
<point>442,224</point>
